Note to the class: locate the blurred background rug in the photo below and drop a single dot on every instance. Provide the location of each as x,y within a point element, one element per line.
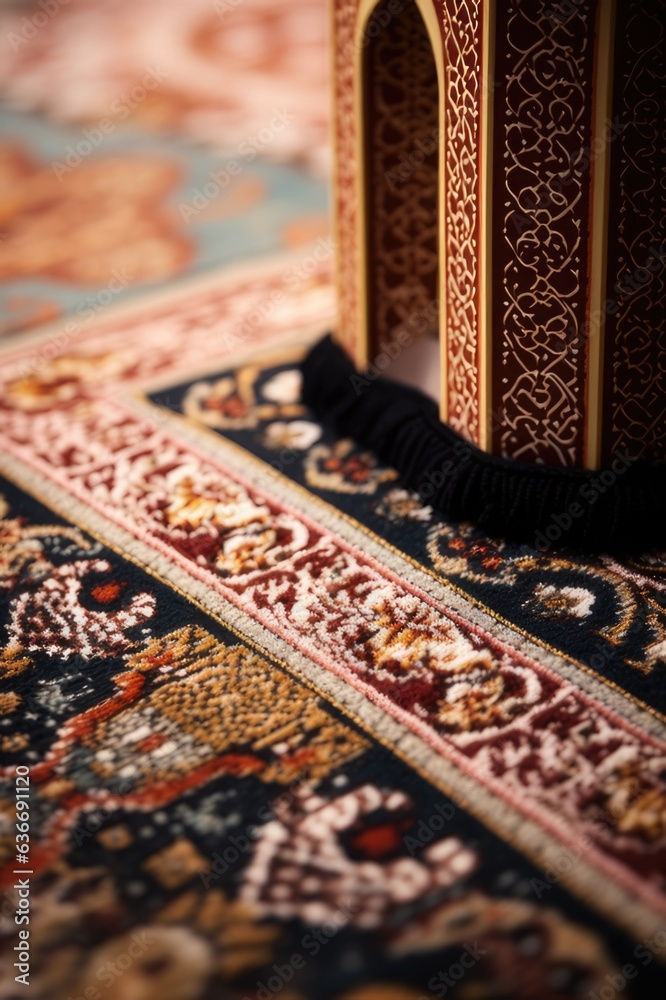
<point>220,64</point>
<point>289,733</point>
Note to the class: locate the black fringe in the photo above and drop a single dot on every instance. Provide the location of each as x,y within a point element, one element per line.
<point>515,500</point>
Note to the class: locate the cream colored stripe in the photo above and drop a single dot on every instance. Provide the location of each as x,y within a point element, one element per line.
<point>485,297</point>
<point>334,125</point>
<point>362,358</point>
<point>245,464</point>
<point>140,305</point>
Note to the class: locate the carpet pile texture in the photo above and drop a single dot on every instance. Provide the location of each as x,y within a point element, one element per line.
<point>278,729</point>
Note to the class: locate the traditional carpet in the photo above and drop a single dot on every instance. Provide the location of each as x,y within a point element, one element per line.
<point>288,732</point>
<point>221,65</point>
<point>86,223</point>
<point>269,726</point>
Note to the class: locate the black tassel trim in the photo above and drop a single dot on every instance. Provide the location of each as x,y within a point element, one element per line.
<point>623,507</point>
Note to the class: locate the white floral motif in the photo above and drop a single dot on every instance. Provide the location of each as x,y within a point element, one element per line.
<point>52,619</point>
<point>285,387</point>
<point>305,838</point>
<point>298,434</point>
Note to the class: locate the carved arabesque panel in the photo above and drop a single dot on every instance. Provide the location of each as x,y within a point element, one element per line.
<point>542,135</point>
<point>346,168</point>
<point>461,22</point>
<point>635,375</point>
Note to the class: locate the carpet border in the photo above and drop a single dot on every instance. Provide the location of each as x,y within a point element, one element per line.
<point>637,918</point>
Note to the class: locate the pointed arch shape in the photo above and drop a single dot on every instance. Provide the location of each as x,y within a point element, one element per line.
<point>427,11</point>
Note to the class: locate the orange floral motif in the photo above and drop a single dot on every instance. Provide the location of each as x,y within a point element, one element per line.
<point>105,219</point>
<point>59,381</point>
<point>475,694</point>
<point>235,402</point>
<point>342,469</point>
<point>209,709</point>
<point>267,48</point>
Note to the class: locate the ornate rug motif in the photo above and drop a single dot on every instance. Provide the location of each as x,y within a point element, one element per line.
<point>81,233</point>
<point>220,58</point>
<point>289,732</point>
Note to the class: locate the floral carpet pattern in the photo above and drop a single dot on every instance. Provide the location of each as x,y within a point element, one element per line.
<point>82,233</point>
<point>289,732</point>
<point>220,58</point>
<point>282,731</point>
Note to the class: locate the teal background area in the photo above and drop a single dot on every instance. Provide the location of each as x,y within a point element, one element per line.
<point>291,194</point>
